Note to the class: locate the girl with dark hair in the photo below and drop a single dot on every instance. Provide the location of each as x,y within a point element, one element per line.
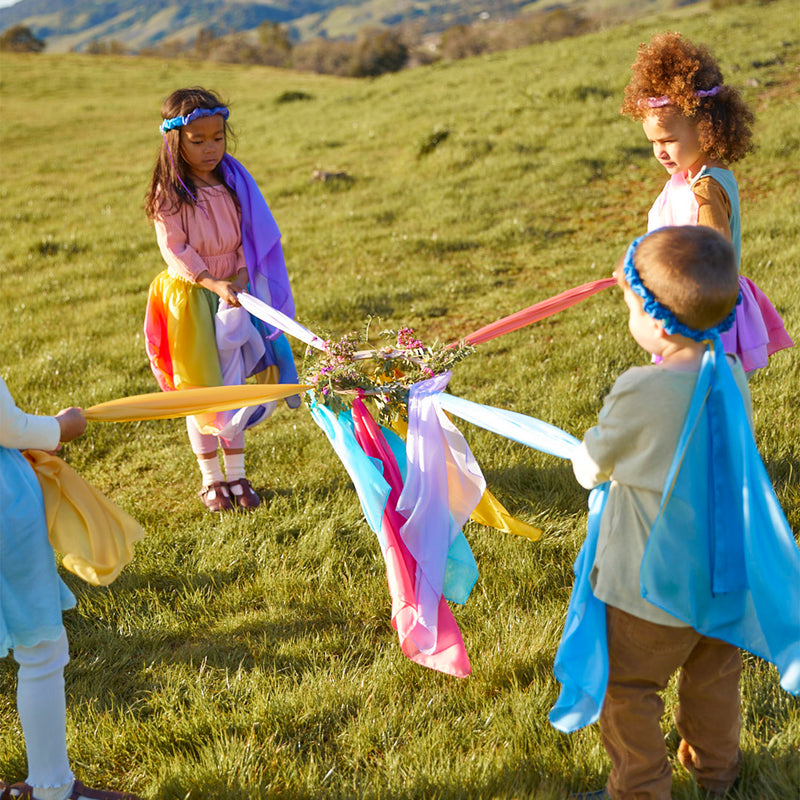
<point>218,238</point>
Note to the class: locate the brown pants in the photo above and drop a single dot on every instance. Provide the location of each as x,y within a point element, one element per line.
<point>642,657</point>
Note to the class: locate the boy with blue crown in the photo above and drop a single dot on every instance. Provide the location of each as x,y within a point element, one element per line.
<point>688,556</point>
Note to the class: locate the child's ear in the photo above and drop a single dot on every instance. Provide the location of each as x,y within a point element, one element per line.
<point>659,328</point>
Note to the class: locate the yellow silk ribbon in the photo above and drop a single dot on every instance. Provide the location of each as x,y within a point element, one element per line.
<point>182,403</point>
<point>490,511</point>
<point>95,536</point>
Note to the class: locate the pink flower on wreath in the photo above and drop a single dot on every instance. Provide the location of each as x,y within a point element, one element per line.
<point>406,339</point>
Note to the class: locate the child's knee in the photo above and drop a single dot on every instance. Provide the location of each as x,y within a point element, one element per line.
<point>43,659</point>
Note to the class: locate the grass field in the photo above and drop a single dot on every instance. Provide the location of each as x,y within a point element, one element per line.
<point>252,656</point>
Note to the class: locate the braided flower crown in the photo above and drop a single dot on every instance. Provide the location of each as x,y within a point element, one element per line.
<point>658,311</point>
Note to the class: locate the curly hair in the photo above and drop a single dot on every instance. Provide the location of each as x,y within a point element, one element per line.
<point>671,66</point>
<point>171,176</point>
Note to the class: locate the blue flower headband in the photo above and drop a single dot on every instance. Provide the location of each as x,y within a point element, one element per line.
<point>655,310</point>
<point>179,122</point>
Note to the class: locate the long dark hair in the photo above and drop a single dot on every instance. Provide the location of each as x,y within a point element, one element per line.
<point>171,176</point>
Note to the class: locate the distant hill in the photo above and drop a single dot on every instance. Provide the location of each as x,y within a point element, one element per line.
<point>72,24</point>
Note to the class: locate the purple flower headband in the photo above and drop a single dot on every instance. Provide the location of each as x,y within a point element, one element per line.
<point>660,102</point>
<point>655,310</point>
<point>179,122</point>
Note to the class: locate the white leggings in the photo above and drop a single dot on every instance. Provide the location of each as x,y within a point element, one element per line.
<point>41,705</point>
<point>208,443</point>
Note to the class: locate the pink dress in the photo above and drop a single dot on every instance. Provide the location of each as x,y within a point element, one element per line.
<point>758,331</point>
<point>179,325</point>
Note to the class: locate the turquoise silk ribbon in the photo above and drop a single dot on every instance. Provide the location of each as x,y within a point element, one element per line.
<point>375,459</point>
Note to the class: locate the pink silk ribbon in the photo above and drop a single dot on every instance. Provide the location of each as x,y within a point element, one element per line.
<point>448,654</point>
<point>538,311</point>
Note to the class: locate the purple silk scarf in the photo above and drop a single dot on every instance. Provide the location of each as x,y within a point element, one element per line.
<point>261,240</point>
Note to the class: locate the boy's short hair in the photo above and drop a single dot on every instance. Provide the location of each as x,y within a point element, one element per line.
<point>692,270</point>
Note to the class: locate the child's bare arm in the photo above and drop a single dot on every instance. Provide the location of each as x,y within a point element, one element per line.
<point>241,279</point>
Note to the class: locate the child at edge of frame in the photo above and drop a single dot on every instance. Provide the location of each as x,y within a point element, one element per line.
<point>680,285</point>
<point>32,598</point>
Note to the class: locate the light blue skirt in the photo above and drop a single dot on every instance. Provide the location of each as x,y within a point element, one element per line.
<point>32,594</point>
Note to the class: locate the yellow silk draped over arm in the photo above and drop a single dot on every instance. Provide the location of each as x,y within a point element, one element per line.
<point>95,536</point>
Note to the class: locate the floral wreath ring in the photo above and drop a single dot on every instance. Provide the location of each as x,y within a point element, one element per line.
<point>658,311</point>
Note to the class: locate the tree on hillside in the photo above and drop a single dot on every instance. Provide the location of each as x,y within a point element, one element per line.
<point>204,42</point>
<point>378,51</point>
<point>323,56</point>
<point>275,44</point>
<point>464,41</point>
<point>106,47</point>
<point>20,39</point>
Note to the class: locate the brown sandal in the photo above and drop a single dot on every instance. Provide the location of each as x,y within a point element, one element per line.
<point>22,791</point>
<point>216,497</point>
<point>247,498</point>
<point>79,790</point>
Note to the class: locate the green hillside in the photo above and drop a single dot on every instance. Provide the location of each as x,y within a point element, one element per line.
<point>142,23</point>
<point>138,25</point>
<point>251,656</point>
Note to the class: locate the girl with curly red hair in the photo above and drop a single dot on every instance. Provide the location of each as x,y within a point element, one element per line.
<point>698,126</point>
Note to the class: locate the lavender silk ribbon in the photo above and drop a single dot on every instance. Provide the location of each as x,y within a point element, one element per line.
<point>241,349</point>
<point>266,313</point>
<point>443,484</point>
<point>261,240</point>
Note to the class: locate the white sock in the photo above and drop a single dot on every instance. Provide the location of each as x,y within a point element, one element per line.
<point>210,470</point>
<point>53,793</point>
<point>234,466</point>
<point>56,793</point>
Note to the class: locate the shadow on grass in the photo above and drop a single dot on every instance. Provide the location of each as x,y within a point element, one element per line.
<point>291,638</point>
<point>517,781</point>
<point>550,488</point>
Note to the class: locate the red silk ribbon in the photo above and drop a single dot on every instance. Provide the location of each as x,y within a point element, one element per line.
<point>538,311</point>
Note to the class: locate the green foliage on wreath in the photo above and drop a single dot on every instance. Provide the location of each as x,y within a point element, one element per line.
<point>350,367</point>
